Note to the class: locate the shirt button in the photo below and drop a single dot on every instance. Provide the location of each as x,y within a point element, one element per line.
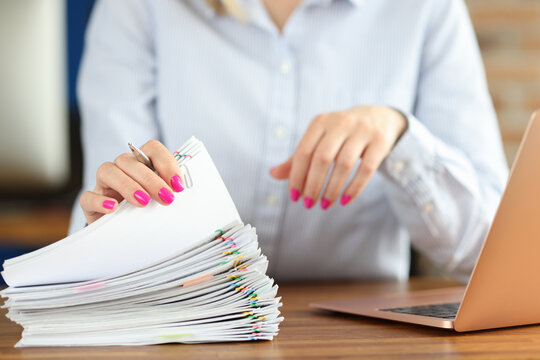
<point>279,131</point>
<point>398,166</point>
<point>285,67</point>
<point>427,207</point>
<point>271,199</point>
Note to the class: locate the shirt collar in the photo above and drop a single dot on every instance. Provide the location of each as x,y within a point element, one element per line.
<point>208,11</point>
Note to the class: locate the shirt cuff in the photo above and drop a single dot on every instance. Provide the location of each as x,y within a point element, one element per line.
<point>410,156</point>
<point>411,162</point>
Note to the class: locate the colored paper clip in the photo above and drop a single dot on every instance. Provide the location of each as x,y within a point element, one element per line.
<point>237,261</point>
<point>90,287</point>
<point>220,232</point>
<point>228,252</point>
<point>242,268</point>
<point>198,280</point>
<point>253,316</point>
<point>231,242</point>
<point>177,155</point>
<point>236,278</point>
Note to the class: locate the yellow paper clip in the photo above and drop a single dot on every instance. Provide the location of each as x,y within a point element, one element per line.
<point>237,261</point>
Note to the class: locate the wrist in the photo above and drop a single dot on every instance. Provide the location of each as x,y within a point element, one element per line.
<point>400,123</point>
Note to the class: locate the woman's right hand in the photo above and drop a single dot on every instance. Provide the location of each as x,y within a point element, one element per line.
<point>127,178</point>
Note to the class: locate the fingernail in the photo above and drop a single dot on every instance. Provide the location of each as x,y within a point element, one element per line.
<point>166,195</point>
<point>345,199</point>
<point>176,183</point>
<point>325,203</point>
<point>109,204</point>
<point>308,202</point>
<point>142,197</point>
<point>295,194</point>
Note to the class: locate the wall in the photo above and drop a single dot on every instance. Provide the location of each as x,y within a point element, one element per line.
<point>508,32</point>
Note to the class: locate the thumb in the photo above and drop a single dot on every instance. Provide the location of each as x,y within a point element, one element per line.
<point>282,171</point>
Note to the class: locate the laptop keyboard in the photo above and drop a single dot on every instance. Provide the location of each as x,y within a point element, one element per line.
<point>442,311</point>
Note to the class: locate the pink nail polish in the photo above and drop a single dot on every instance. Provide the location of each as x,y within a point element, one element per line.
<point>142,197</point>
<point>325,203</point>
<point>345,199</point>
<point>308,202</point>
<point>166,195</point>
<point>295,195</point>
<point>176,183</point>
<point>109,204</point>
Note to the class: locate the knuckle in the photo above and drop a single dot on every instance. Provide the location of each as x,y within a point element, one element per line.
<point>321,118</point>
<point>103,170</point>
<point>378,136</point>
<point>302,153</point>
<point>347,120</point>
<point>151,181</point>
<point>83,201</point>
<point>368,167</point>
<point>153,143</point>
<point>363,126</point>
<point>346,164</point>
<point>122,159</point>
<point>322,158</point>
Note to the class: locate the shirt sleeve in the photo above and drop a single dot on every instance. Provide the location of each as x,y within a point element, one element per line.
<point>116,87</point>
<point>447,172</point>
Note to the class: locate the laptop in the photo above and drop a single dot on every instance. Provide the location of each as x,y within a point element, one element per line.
<point>504,288</point>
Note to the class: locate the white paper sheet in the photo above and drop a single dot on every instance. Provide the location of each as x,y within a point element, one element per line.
<point>133,238</point>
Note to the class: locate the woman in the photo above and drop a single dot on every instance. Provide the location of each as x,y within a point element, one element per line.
<point>384,100</point>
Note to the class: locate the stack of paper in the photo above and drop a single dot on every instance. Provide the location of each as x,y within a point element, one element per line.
<point>190,272</point>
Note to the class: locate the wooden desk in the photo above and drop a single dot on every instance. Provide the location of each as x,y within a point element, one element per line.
<point>309,333</point>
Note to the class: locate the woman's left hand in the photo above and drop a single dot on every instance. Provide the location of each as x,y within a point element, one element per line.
<point>367,132</point>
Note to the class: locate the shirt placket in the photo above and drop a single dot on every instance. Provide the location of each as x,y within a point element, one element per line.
<point>273,194</point>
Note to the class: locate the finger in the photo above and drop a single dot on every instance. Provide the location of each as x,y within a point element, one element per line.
<point>371,159</point>
<point>149,180</point>
<point>302,157</point>
<point>96,205</point>
<point>282,171</point>
<point>164,163</point>
<point>322,159</point>
<point>345,161</point>
<point>110,177</point>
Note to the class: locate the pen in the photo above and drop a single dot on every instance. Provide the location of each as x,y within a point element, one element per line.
<point>140,156</point>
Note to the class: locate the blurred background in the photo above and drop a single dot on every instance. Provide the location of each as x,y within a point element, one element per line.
<point>41,43</point>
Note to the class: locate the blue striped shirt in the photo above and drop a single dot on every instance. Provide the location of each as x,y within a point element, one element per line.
<point>170,69</point>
